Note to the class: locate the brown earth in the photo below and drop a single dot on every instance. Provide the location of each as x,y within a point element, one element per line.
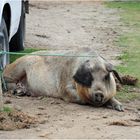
<point>66,120</point>
<point>15,119</point>
<point>70,25</point>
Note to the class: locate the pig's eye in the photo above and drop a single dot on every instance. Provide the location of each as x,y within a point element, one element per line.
<point>106,77</point>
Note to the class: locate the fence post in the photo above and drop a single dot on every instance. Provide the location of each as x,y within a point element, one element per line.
<point>1,94</point>
<point>1,97</point>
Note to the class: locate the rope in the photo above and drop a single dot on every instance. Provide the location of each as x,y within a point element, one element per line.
<point>61,55</point>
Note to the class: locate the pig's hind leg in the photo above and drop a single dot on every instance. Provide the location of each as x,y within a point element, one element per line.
<point>13,74</point>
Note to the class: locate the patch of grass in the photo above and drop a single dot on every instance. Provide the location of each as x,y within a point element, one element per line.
<point>129,42</point>
<point>129,11</point>
<point>131,55</point>
<point>130,5</point>
<point>130,96</point>
<point>13,57</point>
<point>126,95</point>
<point>7,109</point>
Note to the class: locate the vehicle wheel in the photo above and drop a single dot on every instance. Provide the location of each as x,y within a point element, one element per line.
<point>4,59</point>
<point>17,41</point>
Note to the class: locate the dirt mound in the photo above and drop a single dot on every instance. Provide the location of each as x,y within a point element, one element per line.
<point>129,80</point>
<point>16,120</point>
<point>130,122</point>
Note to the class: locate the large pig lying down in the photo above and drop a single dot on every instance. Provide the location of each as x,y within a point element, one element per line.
<point>82,80</point>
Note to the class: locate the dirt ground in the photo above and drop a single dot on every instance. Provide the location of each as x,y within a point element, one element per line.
<point>70,25</point>
<point>73,25</point>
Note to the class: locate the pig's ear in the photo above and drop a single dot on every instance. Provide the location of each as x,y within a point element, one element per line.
<point>110,68</point>
<point>83,76</point>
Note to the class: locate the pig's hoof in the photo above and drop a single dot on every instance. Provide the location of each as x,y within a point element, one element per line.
<point>118,107</point>
<point>20,90</point>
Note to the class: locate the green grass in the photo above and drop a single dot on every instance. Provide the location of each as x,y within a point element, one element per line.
<point>126,95</point>
<point>7,109</point>
<point>13,57</point>
<point>130,44</point>
<point>130,5</point>
<point>129,12</point>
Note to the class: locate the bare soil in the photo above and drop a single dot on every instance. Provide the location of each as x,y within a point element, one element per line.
<point>71,25</point>
<point>66,120</point>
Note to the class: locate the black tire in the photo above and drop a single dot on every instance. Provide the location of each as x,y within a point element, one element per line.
<point>4,58</point>
<point>17,41</point>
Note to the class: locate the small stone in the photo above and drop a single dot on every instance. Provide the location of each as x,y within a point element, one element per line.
<point>38,129</point>
<point>68,31</point>
<point>8,102</point>
<point>98,128</point>
<point>18,97</point>
<point>41,108</point>
<point>40,97</point>
<point>18,108</point>
<point>105,117</point>
<point>83,26</point>
<point>138,109</point>
<point>39,114</point>
<point>42,121</point>
<point>45,135</point>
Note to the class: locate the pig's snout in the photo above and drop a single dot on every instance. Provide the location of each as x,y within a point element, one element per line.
<point>98,97</point>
